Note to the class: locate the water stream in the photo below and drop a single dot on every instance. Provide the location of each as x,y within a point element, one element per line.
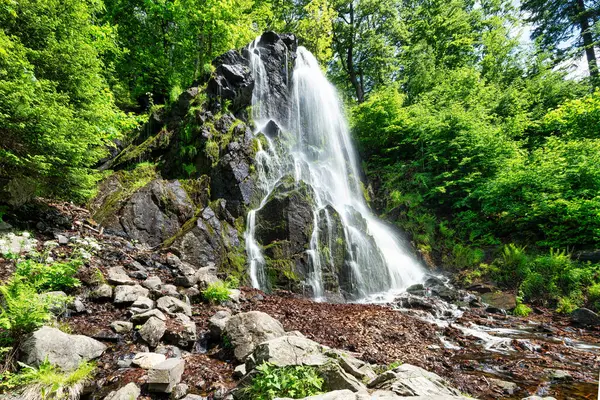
<point>316,148</point>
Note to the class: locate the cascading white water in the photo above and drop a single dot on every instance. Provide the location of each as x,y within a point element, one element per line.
<point>317,150</point>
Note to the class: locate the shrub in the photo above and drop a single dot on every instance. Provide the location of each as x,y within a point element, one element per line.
<point>513,266</point>
<point>23,310</point>
<point>594,295</point>
<point>465,256</point>
<point>521,310</point>
<point>216,292</point>
<point>293,381</point>
<point>566,305</point>
<point>48,381</point>
<point>48,277</point>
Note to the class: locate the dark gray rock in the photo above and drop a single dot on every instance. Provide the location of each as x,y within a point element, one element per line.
<point>284,228</point>
<point>156,212</point>
<point>586,317</point>
<point>152,331</point>
<point>181,331</point>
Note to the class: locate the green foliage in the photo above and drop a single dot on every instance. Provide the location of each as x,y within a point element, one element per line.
<point>217,292</point>
<point>293,381</point>
<point>48,381</point>
<point>171,44</point>
<point>521,310</point>
<point>22,309</point>
<point>57,111</point>
<point>556,22</point>
<point>465,257</point>
<point>512,267</point>
<point>49,277</point>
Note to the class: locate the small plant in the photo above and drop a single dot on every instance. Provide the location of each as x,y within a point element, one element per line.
<point>594,295</point>
<point>380,369</point>
<point>23,310</point>
<point>47,381</point>
<point>565,305</point>
<point>521,310</point>
<point>292,381</point>
<point>216,292</point>
<point>48,277</point>
<point>232,282</point>
<point>98,277</point>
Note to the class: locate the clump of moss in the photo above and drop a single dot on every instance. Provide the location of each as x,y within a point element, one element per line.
<point>129,181</point>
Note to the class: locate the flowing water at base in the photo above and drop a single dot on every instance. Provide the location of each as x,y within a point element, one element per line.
<point>316,148</point>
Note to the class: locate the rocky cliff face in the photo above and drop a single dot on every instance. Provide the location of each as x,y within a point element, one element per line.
<point>187,179</point>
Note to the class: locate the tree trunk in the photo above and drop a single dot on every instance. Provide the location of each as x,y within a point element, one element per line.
<point>588,40</point>
<point>360,96</point>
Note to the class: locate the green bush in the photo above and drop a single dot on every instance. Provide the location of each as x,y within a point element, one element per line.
<point>48,381</point>
<point>22,310</point>
<point>216,292</point>
<point>465,256</point>
<point>521,310</point>
<point>49,277</point>
<point>512,266</point>
<point>293,381</point>
<point>594,295</point>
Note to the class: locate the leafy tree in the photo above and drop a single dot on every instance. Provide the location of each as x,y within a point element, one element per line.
<point>168,44</point>
<point>566,27</point>
<point>56,111</point>
<point>366,39</point>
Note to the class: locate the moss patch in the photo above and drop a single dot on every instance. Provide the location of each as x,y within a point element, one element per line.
<point>128,181</point>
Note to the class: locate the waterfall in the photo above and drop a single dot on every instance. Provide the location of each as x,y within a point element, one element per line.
<point>317,149</point>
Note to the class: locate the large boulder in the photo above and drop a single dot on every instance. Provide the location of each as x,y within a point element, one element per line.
<point>409,380</point>
<point>127,392</point>
<point>208,238</point>
<point>288,350</point>
<point>284,227</point>
<point>246,330</point>
<point>585,317</point>
<point>61,349</point>
<point>150,215</point>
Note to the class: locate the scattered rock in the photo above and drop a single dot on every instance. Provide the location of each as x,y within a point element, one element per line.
<point>129,294</point>
<point>166,375</point>
<point>121,326</point>
<point>507,387</point>
<point>246,330</point>
<point>585,317</point>
<point>179,391</point>
<point>239,371</point>
<point>152,283</point>
<point>172,306</point>
<point>64,350</point>
<point>335,378</point>
<point>216,323</point>
<point>142,304</point>
<point>409,380</point>
<point>127,392</point>
<point>206,276</point>
<point>143,317</point>
<point>148,360</point>
<point>335,395</point>
<point>560,375</point>
<point>181,331</point>
<point>152,331</point>
<point>501,300</point>
<point>118,276</point>
<point>103,291</point>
